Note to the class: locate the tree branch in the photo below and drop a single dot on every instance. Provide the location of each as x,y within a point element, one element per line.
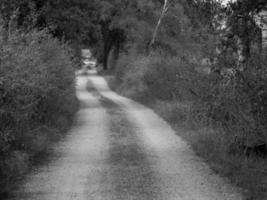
<point>163,12</point>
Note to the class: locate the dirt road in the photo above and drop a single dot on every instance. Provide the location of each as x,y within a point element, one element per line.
<point>145,162</point>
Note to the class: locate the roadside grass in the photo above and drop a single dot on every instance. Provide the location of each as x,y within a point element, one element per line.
<point>246,172</point>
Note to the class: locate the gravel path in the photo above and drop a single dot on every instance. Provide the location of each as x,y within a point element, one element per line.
<point>75,173</point>
<point>181,174</point>
<point>121,150</point>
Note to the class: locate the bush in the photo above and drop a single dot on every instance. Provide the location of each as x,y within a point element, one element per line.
<point>164,79</point>
<point>233,102</point>
<point>239,105</point>
<point>221,114</point>
<point>37,95</point>
<point>129,73</point>
<point>172,79</point>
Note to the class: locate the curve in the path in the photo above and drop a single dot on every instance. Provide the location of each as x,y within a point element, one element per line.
<point>149,163</point>
<point>181,174</point>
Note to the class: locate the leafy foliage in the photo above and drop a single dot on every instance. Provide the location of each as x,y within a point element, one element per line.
<point>37,97</point>
<point>201,54</point>
<point>194,75</point>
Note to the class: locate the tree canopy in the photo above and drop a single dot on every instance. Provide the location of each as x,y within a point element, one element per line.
<point>108,26</point>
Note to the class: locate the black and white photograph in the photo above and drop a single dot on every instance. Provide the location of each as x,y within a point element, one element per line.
<point>133,99</point>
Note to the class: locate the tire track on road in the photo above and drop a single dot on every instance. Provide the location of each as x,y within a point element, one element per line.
<point>181,175</point>
<point>129,175</point>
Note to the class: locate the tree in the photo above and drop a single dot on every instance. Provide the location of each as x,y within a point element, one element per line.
<point>242,23</point>
<point>113,21</point>
<point>66,20</point>
<point>163,12</point>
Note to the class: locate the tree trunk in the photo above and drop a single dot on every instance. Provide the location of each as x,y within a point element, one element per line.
<point>163,12</point>
<point>107,45</point>
<point>105,58</point>
<point>113,57</point>
<point>106,52</point>
<point>243,46</point>
<point>105,61</point>
<point>116,53</point>
<point>243,43</point>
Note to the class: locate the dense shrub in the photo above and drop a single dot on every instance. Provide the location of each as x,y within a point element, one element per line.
<point>237,103</point>
<point>129,73</point>
<point>232,101</point>
<point>165,78</point>
<point>172,78</point>
<point>37,97</point>
<point>222,114</point>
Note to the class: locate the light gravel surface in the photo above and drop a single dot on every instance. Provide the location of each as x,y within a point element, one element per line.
<point>76,173</point>
<point>181,174</point>
<point>148,161</point>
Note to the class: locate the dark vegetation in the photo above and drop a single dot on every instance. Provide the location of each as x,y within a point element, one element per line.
<point>38,57</point>
<point>200,64</point>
